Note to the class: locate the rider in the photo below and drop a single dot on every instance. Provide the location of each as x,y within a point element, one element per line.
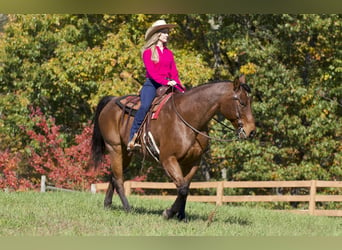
<point>160,70</point>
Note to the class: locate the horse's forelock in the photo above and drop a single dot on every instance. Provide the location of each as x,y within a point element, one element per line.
<point>246,87</point>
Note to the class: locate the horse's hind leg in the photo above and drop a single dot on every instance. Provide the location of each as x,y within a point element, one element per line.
<point>118,163</point>
<point>109,193</point>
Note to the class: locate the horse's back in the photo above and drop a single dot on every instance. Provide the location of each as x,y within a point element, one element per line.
<point>113,122</point>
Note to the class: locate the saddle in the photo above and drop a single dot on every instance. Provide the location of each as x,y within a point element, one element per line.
<point>130,105</point>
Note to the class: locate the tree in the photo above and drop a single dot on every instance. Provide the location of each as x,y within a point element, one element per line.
<point>291,63</point>
<point>65,63</point>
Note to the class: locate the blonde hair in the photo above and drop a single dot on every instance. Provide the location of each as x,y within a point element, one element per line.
<point>151,43</point>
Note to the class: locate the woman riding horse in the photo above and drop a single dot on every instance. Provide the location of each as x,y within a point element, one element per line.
<point>160,70</point>
<point>186,117</point>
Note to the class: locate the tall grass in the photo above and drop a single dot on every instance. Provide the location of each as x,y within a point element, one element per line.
<point>79,214</point>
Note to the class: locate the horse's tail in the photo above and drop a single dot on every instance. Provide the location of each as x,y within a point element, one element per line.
<point>97,142</point>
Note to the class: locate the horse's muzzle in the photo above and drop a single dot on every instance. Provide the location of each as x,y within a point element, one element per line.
<point>243,135</point>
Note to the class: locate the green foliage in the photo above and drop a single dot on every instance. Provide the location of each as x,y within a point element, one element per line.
<point>298,131</point>
<point>65,63</point>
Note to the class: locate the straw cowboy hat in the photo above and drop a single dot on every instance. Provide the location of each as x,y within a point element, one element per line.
<point>157,25</point>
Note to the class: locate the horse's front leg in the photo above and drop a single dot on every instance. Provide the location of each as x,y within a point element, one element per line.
<point>178,207</point>
<point>174,171</point>
<point>188,178</point>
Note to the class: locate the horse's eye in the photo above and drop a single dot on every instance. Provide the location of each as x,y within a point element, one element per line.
<point>243,104</point>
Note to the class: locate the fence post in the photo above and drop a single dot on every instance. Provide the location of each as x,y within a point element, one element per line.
<point>42,184</point>
<point>312,202</point>
<point>93,188</point>
<point>127,188</point>
<point>219,193</point>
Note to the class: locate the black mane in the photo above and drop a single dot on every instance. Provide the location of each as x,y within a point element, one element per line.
<point>245,86</point>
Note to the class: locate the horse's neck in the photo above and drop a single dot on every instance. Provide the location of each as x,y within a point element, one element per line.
<point>201,104</point>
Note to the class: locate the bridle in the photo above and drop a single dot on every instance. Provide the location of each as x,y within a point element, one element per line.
<point>240,130</point>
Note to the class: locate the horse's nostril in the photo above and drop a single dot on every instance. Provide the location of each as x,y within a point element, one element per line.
<point>252,134</point>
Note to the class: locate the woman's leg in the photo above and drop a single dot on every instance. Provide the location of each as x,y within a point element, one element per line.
<point>147,94</point>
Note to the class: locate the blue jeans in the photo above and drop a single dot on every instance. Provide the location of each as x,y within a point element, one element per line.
<point>147,94</point>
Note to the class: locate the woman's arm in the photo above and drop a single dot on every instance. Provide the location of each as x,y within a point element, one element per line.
<point>150,68</point>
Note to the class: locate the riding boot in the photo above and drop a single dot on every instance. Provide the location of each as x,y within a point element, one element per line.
<point>132,144</point>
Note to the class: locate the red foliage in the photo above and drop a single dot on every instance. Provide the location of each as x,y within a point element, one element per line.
<point>9,179</point>
<point>68,167</point>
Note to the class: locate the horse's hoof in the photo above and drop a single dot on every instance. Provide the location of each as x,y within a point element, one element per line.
<point>107,205</point>
<point>181,217</point>
<point>127,209</point>
<point>185,220</point>
<point>167,214</point>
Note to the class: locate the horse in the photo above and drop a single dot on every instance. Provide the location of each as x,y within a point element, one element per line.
<point>180,133</point>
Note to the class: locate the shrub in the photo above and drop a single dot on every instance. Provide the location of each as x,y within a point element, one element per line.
<point>46,154</point>
<point>9,178</point>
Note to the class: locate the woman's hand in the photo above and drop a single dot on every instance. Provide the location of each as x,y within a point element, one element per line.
<point>172,83</point>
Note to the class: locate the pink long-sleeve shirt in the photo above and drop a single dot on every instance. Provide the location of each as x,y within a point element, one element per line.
<point>164,70</point>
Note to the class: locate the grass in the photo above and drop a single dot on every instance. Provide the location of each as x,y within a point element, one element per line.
<point>82,214</point>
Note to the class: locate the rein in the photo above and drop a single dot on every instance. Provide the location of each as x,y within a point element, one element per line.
<point>224,125</point>
<point>196,130</point>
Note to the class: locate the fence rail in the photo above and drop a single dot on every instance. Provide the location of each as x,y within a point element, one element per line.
<point>312,197</point>
<point>44,187</point>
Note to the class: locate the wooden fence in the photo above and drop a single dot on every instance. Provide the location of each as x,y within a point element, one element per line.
<point>44,187</point>
<point>312,197</point>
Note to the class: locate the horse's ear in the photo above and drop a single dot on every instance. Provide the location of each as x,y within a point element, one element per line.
<point>236,83</point>
<point>242,79</point>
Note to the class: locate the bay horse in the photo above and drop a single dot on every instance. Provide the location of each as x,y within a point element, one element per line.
<point>180,132</point>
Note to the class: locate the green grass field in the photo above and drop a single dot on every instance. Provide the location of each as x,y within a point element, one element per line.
<point>82,214</point>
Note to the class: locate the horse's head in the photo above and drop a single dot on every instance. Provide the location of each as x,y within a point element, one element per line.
<point>237,108</point>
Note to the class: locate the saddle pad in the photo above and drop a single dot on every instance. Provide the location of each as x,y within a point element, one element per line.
<point>131,103</point>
